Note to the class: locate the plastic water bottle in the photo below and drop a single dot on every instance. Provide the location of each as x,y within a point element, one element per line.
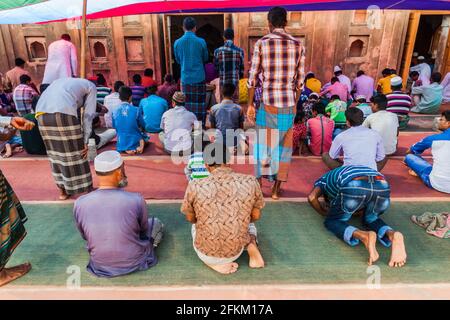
<point>92,150</point>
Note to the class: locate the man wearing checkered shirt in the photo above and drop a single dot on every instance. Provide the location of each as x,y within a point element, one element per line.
<point>278,57</point>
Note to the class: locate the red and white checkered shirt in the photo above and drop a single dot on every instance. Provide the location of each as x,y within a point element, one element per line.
<point>279,57</point>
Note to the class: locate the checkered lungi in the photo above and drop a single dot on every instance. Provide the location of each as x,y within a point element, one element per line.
<point>63,139</point>
<point>274,139</point>
<point>195,99</point>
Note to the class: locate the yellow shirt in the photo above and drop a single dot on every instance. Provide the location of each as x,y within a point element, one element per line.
<point>314,85</point>
<point>385,84</point>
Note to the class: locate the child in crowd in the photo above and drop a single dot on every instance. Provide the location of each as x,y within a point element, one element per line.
<point>299,132</point>
<point>195,168</point>
<point>13,143</point>
<point>336,111</point>
<point>138,90</point>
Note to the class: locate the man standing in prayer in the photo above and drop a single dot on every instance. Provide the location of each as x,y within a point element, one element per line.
<point>191,53</point>
<point>229,61</point>
<point>12,215</point>
<point>65,127</point>
<point>61,61</point>
<point>278,58</point>
<point>121,237</point>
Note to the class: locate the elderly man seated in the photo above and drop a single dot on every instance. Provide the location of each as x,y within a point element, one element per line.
<point>120,236</point>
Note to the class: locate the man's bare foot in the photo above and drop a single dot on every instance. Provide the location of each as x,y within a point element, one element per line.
<point>256,259</point>
<point>10,274</point>
<point>398,253</point>
<point>412,173</point>
<point>224,268</point>
<point>131,152</point>
<point>276,190</point>
<point>369,239</point>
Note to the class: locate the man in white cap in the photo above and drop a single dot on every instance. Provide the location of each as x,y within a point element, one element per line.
<point>343,78</point>
<point>423,69</point>
<point>431,96</point>
<point>120,236</point>
<point>385,123</point>
<point>399,102</point>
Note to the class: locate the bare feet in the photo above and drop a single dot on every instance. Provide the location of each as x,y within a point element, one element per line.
<point>131,152</point>
<point>276,190</point>
<point>398,253</point>
<point>412,173</point>
<point>256,259</point>
<point>10,274</point>
<point>224,268</point>
<point>369,239</point>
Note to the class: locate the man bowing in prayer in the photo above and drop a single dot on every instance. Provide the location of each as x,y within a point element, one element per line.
<point>120,236</point>
<point>65,130</point>
<point>278,58</point>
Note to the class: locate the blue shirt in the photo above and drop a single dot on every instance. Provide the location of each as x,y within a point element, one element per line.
<point>226,115</point>
<point>115,225</point>
<point>332,181</point>
<point>191,53</point>
<point>152,109</point>
<point>126,120</point>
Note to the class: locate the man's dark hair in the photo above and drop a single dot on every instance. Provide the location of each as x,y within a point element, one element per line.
<point>216,154</point>
<point>319,108</point>
<point>24,79</point>
<point>334,79</point>
<point>436,77</point>
<point>413,74</point>
<point>228,34</point>
<point>338,73</point>
<point>359,73</point>
<point>354,116</point>
<point>446,115</point>
<point>148,72</point>
<point>137,79</point>
<point>386,72</point>
<point>153,89</point>
<point>380,100</point>
<point>19,62</point>
<point>278,17</point>
<point>189,23</point>
<point>393,71</point>
<point>66,37</point>
<point>43,87</point>
<point>125,93</point>
<point>228,90</point>
<point>101,79</point>
<point>335,97</point>
<point>309,76</point>
<point>117,85</point>
<point>168,78</point>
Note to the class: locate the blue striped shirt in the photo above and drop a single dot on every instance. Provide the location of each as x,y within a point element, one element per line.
<point>332,181</point>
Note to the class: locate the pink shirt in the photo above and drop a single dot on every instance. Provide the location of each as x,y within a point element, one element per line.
<point>337,88</point>
<point>363,85</point>
<point>316,142</point>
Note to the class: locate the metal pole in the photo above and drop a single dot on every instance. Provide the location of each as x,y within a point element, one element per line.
<point>83,41</point>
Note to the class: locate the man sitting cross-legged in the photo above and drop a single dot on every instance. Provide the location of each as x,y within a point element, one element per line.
<point>222,208</point>
<point>360,145</point>
<point>120,236</point>
<point>436,175</point>
<point>350,189</point>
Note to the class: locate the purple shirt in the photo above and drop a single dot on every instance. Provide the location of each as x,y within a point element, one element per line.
<point>210,72</point>
<point>116,227</point>
<point>339,89</point>
<point>363,85</point>
<point>361,147</point>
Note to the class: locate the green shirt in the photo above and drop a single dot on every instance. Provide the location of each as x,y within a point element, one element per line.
<point>337,110</point>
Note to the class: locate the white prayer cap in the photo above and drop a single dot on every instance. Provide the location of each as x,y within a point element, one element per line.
<point>396,81</point>
<point>420,58</point>
<point>360,97</point>
<point>337,69</point>
<point>108,161</point>
<point>415,54</point>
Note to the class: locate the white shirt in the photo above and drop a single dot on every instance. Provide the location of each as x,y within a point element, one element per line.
<point>177,124</point>
<point>446,85</point>
<point>424,71</point>
<point>111,102</point>
<point>61,61</point>
<point>66,96</point>
<point>440,174</point>
<point>5,121</point>
<point>386,124</point>
<point>345,80</point>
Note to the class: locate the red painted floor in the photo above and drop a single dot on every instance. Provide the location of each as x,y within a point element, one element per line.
<point>161,179</point>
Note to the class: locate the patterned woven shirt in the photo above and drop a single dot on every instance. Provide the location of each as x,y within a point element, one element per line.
<point>279,57</point>
<point>222,204</point>
<point>23,96</point>
<point>229,61</point>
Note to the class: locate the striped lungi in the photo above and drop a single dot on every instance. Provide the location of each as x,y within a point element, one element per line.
<point>12,219</point>
<point>274,139</point>
<point>63,140</point>
<point>195,99</point>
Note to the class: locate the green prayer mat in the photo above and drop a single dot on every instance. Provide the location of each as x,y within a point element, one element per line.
<point>294,243</point>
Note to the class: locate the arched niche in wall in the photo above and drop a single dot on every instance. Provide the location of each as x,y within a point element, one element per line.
<point>358,46</point>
